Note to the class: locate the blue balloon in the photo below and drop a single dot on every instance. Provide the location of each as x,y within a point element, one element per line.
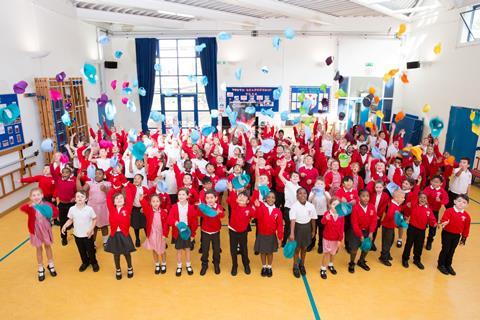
<point>155,116</point>
<point>289,33</point>
<point>135,83</point>
<point>127,90</point>
<point>195,136</point>
<point>138,150</point>
<point>276,42</point>
<point>46,145</point>
<point>118,54</point>
<point>224,36</point>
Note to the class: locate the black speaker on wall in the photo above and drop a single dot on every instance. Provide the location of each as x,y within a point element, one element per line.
<point>413,65</point>
<point>110,64</point>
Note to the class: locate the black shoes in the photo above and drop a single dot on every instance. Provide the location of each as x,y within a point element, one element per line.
<point>419,265</point>
<point>311,246</point>
<point>192,245</point>
<point>428,246</point>
<point>130,273</point>
<point>52,271</point>
<point>385,262</point>
<point>41,275</point>
<point>399,243</point>
<point>302,270</point>
<point>443,270</point>
<point>296,272</point>
<point>234,271</point>
<point>363,265</point>
<point>374,248</point>
<point>163,269</point>
<point>178,273</point>
<point>320,249</point>
<point>118,274</point>
<point>64,241</point>
<point>264,272</point>
<point>351,267</point>
<point>323,274</point>
<point>95,267</point>
<point>451,271</point>
<point>157,269</point>
<point>269,272</point>
<point>189,270</point>
<point>405,263</point>
<point>83,267</point>
<point>137,243</point>
<point>332,269</point>
<point>247,269</point>
<point>203,271</point>
<point>216,268</point>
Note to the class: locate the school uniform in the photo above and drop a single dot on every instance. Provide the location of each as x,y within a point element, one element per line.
<point>332,232</point>
<point>458,185</point>
<point>270,228</point>
<point>432,195</point>
<point>364,221</point>
<point>333,181</point>
<point>65,190</point>
<point>421,216</point>
<point>183,213</point>
<point>119,241</point>
<point>138,220</point>
<point>388,229</point>
<point>238,224</point>
<point>457,228</point>
<point>303,214</point>
<point>380,202</point>
<point>211,235</point>
<point>39,226</point>
<point>320,204</point>
<point>82,222</point>
<point>349,195</point>
<point>308,181</point>
<point>45,183</point>
<point>156,227</point>
<point>290,199</point>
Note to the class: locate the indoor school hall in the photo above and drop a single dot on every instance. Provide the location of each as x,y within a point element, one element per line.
<point>226,159</point>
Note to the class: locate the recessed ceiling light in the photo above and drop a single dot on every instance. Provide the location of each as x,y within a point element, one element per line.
<point>176,14</point>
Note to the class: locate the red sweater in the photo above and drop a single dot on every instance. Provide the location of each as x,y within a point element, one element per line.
<point>120,218</point>
<point>459,222</point>
<point>421,216</point>
<point>192,218</point>
<point>240,216</point>
<point>117,180</point>
<point>31,212</point>
<point>411,198</point>
<point>64,189</point>
<point>47,184</point>
<point>350,195</point>
<point>269,223</point>
<point>149,214</point>
<point>389,219</point>
<point>212,224</point>
<point>432,195</point>
<point>165,202</point>
<point>329,179</point>
<point>334,229</point>
<point>382,205</point>
<point>307,174</point>
<point>363,219</point>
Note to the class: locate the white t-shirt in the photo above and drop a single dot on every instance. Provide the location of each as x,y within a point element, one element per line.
<point>290,193</point>
<point>200,164</point>
<point>82,220</point>
<point>459,185</point>
<point>302,214</point>
<point>183,212</point>
<point>103,164</point>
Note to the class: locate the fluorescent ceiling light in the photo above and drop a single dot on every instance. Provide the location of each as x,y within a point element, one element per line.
<point>176,14</point>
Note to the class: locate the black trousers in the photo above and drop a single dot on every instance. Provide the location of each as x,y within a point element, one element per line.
<point>286,226</point>
<point>280,200</point>
<point>173,198</point>
<point>347,228</point>
<point>415,239</point>
<point>432,231</point>
<point>86,249</point>
<point>63,216</point>
<point>451,198</point>
<point>238,239</point>
<point>319,226</point>
<point>387,242</point>
<point>214,240</point>
<point>449,244</point>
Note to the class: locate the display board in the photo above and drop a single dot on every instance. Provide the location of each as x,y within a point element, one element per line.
<point>11,134</point>
<point>259,97</point>
<point>312,93</point>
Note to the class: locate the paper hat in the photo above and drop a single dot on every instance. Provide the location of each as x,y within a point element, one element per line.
<point>203,80</point>
<point>267,145</point>
<point>289,249</point>
<point>392,187</point>
<point>241,181</point>
<point>341,116</point>
<point>184,231</point>
<point>66,119</point>
<point>195,136</point>
<point>45,210</point>
<point>60,76</point>
<point>157,67</point>
<point>277,93</point>
<point>103,39</point>
<point>131,106</point>
<point>400,220</point>
<point>450,161</point>
<point>55,95</point>
<point>113,84</point>
<point>138,150</point>
<point>265,69</point>
<point>436,127</point>
<point>438,48</point>
<point>366,244</point>
<point>105,144</point>
<point>68,105</point>
<point>46,145</point>
<point>308,133</point>
<point>162,186</point>
<point>214,113</point>
<point>296,120</point>
<point>338,77</point>
<point>221,185</point>
<point>155,116</point>
<point>250,110</point>
<point>301,97</point>
<point>132,135</point>
<point>127,90</point>
<point>200,47</point>
<point>344,160</point>
<point>276,42</point>
<point>417,152</point>
<point>91,172</point>
<point>19,87</point>
<point>118,54</point>
<point>325,102</point>
<point>207,210</point>
<point>399,116</point>
<point>264,190</point>
<point>9,114</point>
<point>64,158</point>
<point>175,130</point>
<point>207,130</point>
<point>224,36</point>
<point>404,77</point>
<point>267,112</point>
<point>114,162</point>
<point>289,33</point>
<point>376,154</point>
<point>367,101</point>
<point>343,209</point>
<point>102,101</point>
<point>90,73</point>
<point>142,92</point>
<point>238,73</point>
<point>110,111</point>
<point>329,60</point>
<point>318,191</point>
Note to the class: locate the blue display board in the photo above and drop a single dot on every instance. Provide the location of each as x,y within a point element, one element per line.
<point>314,94</point>
<point>11,134</point>
<point>260,97</point>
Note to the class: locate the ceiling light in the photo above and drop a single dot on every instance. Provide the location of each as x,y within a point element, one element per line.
<point>176,14</point>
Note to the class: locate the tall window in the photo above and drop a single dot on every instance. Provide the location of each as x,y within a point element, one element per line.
<point>179,93</point>
<point>471,25</point>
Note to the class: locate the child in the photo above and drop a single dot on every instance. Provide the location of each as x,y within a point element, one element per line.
<point>182,211</point>
<point>302,229</point>
<point>119,210</point>
<point>364,222</point>
<point>97,199</point>
<point>83,219</point>
<point>388,226</point>
<point>308,173</point>
<point>456,227</point>
<point>270,231</point>
<point>333,178</point>
<point>319,198</point>
<point>156,229</point>
<point>347,194</point>
<point>211,232</point>
<point>138,220</point>
<point>380,199</point>
<point>291,187</point>
<point>410,189</point>
<point>40,229</point>
<point>437,196</point>
<point>421,216</point>
<point>45,182</point>
<point>332,237</point>
<point>460,183</point>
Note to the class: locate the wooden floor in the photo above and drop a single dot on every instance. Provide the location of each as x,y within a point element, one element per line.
<point>382,293</point>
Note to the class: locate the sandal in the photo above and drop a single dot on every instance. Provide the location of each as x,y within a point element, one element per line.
<point>41,275</point>
<point>118,274</point>
<point>52,271</point>
<point>189,270</point>
<point>130,273</point>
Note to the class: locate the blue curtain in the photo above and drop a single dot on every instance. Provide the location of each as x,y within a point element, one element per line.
<point>146,49</point>
<point>208,60</point>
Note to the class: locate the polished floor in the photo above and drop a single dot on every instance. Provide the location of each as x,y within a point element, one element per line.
<point>382,293</point>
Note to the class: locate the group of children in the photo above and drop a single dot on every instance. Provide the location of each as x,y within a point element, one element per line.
<point>326,186</point>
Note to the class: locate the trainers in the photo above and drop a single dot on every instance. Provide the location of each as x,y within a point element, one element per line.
<point>443,270</point>
<point>269,272</point>
<point>363,265</point>
<point>419,265</point>
<point>351,267</point>
<point>130,273</point>
<point>451,271</point>
<point>52,271</point>
<point>302,269</point>
<point>264,272</point>
<point>118,274</point>
<point>203,271</point>
<point>178,273</point>
<point>95,267</point>
<point>405,263</point>
<point>428,246</point>
<point>83,267</point>
<point>399,243</point>
<point>41,275</point>
<point>332,269</point>
<point>323,274</point>
<point>189,270</point>
<point>296,272</point>
<point>247,269</point>
<point>233,272</point>
<point>216,268</point>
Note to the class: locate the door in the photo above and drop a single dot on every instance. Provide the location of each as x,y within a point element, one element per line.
<point>461,141</point>
<point>182,108</point>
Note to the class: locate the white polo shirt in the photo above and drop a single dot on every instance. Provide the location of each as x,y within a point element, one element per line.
<point>459,185</point>
<point>82,220</point>
<point>302,213</point>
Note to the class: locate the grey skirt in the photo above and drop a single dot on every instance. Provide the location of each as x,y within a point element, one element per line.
<point>266,244</point>
<point>120,244</point>
<point>303,234</point>
<point>182,244</point>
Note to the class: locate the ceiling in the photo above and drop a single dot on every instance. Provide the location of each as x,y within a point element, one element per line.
<point>232,15</point>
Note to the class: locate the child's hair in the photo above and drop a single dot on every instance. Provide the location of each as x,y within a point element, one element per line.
<point>410,181</point>
<point>466,159</point>
<point>154,196</point>
<point>379,181</point>
<point>295,172</point>
<point>243,193</point>
<point>35,190</point>
<point>139,175</point>
<point>211,191</point>
<point>408,168</point>
<point>67,168</point>
<point>206,180</point>
<point>280,131</point>
<point>209,165</point>
<point>82,192</point>
<point>320,178</point>
<point>332,199</point>
<point>437,176</point>
<point>187,175</point>
<point>347,178</point>
<point>399,158</point>
<point>101,170</point>
<point>362,191</point>
<point>115,196</point>
<point>301,189</point>
<point>186,190</point>
<point>463,196</point>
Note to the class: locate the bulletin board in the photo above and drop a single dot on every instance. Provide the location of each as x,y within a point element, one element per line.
<point>314,94</point>
<point>11,134</point>
<point>259,97</point>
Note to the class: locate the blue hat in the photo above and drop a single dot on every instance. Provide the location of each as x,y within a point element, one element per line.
<point>343,209</point>
<point>267,145</point>
<point>175,130</point>
<point>157,67</point>
<point>232,117</point>
<point>289,249</point>
<point>224,36</point>
<point>250,110</point>
<point>276,42</point>
<point>184,230</point>
<point>221,185</point>
<point>318,191</point>
<point>138,150</point>
<point>238,73</point>
<point>162,186</point>
<point>46,145</point>
<point>207,210</point>
<point>264,190</point>
<point>277,93</point>
<point>44,209</point>
<point>110,111</point>
<point>114,162</point>
<point>132,135</point>
<point>91,172</point>
<point>436,127</point>
<point>11,115</point>
<point>267,112</point>
<point>284,115</point>
<point>200,47</point>
<point>308,133</point>
<point>90,73</point>
<point>142,92</point>
<point>289,33</point>
<point>376,154</point>
<point>155,116</point>
<point>214,113</point>
<point>203,80</point>
<point>66,119</point>
<point>400,220</point>
<point>103,39</point>
<point>118,54</point>
<point>207,130</point>
<point>195,136</point>
<point>392,187</point>
<point>297,120</point>
<point>241,181</point>
<point>366,244</point>
<point>265,69</point>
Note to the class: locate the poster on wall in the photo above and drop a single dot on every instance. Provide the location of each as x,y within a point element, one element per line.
<point>11,133</point>
<point>312,93</point>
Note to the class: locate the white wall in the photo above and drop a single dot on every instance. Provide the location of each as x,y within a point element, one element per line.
<point>29,27</point>
<point>451,78</point>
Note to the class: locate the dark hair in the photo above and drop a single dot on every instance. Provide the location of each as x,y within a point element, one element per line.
<point>347,178</point>
<point>399,158</point>
<point>67,168</point>
<point>100,169</point>
<point>363,145</point>
<point>301,189</point>
<point>362,191</point>
<point>410,181</point>
<point>186,190</point>
<point>380,181</point>
<point>211,191</point>
<point>209,164</point>
<point>187,175</point>
<point>408,167</point>
<point>206,180</point>
<point>437,176</point>
<point>466,159</point>
<point>243,193</point>
<point>463,196</point>
<point>281,131</point>
<point>139,175</point>
<point>295,172</point>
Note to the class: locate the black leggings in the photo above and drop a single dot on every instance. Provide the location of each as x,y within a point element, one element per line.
<point>137,233</point>
<point>128,257</point>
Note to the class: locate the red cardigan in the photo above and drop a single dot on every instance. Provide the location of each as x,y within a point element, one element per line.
<point>46,183</point>
<point>149,214</point>
<point>212,224</point>
<point>363,220</point>
<point>269,223</point>
<point>334,229</point>
<point>120,218</point>
<point>31,212</point>
<point>174,217</point>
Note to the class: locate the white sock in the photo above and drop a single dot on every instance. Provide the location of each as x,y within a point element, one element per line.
<point>164,263</point>
<point>50,264</point>
<point>40,268</point>
<point>188,264</point>
<point>324,268</point>
<point>264,266</point>
<point>269,266</point>
<point>179,265</point>
<point>330,264</point>
<point>105,238</point>
<point>157,264</point>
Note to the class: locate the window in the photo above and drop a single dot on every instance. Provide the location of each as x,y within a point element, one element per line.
<point>471,25</point>
<point>179,94</point>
